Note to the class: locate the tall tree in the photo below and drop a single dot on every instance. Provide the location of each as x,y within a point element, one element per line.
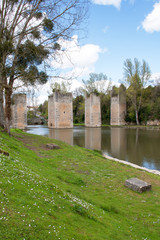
<point>63,86</point>
<point>29,31</point>
<point>136,75</point>
<point>97,83</point>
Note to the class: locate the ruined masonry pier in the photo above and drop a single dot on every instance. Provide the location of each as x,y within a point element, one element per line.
<point>92,111</point>
<point>60,110</point>
<point>19,111</point>
<point>118,106</point>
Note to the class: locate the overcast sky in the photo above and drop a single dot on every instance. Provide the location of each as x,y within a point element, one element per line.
<point>117,30</point>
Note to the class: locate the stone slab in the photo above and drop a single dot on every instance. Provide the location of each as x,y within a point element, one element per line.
<point>137,185</point>
<point>52,146</point>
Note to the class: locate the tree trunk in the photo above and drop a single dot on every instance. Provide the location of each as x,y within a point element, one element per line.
<point>1,109</point>
<point>137,118</point>
<point>8,94</point>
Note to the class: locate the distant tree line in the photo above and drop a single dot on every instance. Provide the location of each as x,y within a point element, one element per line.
<point>150,106</point>
<point>142,102</point>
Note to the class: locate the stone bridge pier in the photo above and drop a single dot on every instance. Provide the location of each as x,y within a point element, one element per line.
<point>19,111</point>
<point>92,111</point>
<point>118,106</point>
<point>60,110</point>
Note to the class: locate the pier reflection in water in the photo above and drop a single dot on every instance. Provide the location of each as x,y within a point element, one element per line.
<point>65,135</point>
<point>118,143</point>
<point>139,146</point>
<point>89,138</point>
<point>93,138</point>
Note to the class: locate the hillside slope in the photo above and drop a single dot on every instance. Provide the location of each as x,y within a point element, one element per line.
<point>71,193</point>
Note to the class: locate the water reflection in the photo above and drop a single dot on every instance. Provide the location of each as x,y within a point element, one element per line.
<point>118,143</point>
<point>65,135</point>
<point>93,138</point>
<point>139,146</point>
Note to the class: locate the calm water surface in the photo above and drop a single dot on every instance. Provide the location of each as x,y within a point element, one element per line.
<point>139,146</point>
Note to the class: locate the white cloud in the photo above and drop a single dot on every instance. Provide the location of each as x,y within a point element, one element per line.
<point>44,91</point>
<point>115,3</point>
<point>72,61</point>
<point>155,78</point>
<point>76,59</point>
<point>152,22</point>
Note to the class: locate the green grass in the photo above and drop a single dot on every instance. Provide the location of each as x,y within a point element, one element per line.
<point>79,124</point>
<point>71,193</point>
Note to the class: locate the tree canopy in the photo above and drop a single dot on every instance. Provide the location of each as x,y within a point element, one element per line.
<point>29,33</point>
<point>97,83</point>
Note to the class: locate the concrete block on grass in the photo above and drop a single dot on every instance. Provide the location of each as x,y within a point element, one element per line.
<point>52,146</point>
<point>137,185</point>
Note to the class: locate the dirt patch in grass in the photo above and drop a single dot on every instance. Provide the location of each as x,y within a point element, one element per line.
<point>32,144</point>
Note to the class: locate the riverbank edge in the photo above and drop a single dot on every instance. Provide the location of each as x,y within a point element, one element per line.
<point>131,164</point>
<point>124,126</point>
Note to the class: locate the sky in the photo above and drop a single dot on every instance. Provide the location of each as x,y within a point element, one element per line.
<point>116,30</point>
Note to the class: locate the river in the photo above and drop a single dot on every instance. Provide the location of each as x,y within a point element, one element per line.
<point>138,146</point>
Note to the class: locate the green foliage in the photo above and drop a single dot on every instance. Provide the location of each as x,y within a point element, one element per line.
<point>6,43</point>
<point>115,91</point>
<point>38,15</point>
<point>56,46</point>
<point>62,87</point>
<point>155,113</point>
<point>105,108</point>
<point>29,53</point>
<point>111,209</point>
<point>43,109</point>
<point>30,114</point>
<point>47,25</point>
<point>80,210</point>
<point>78,109</point>
<point>136,75</point>
<point>97,83</point>
<point>150,107</point>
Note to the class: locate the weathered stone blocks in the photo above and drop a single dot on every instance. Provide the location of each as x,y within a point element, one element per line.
<point>92,111</point>
<point>60,110</point>
<point>137,185</point>
<point>19,111</point>
<point>118,107</point>
<point>52,146</point>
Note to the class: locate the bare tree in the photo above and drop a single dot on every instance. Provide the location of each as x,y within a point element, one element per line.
<point>29,31</point>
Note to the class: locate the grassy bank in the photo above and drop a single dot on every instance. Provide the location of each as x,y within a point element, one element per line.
<point>71,193</point>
